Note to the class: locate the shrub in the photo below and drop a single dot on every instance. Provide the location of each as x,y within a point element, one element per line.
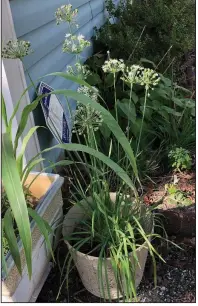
<point>147,29</point>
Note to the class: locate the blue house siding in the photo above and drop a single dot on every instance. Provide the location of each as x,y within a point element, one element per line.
<point>35,21</point>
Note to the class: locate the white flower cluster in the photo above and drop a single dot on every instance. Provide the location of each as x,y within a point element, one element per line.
<point>80,71</point>
<point>86,118</point>
<point>132,74</point>
<point>142,76</point>
<point>149,78</point>
<point>75,44</point>
<point>16,49</point>
<point>113,66</point>
<point>89,93</point>
<point>65,13</point>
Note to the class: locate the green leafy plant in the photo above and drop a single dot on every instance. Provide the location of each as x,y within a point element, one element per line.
<point>180,159</point>
<point>176,196</point>
<point>171,188</point>
<point>15,210</point>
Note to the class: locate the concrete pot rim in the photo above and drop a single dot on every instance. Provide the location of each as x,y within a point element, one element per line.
<point>94,257</point>
<point>43,203</point>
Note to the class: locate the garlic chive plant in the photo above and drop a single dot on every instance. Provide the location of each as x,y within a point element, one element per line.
<point>114,229</point>
<point>116,226</point>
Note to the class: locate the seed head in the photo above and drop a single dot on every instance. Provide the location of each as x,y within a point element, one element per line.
<point>86,118</point>
<point>80,71</point>
<point>113,66</point>
<point>65,13</point>
<point>16,49</point>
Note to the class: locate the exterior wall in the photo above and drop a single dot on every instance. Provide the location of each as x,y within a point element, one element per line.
<point>35,21</point>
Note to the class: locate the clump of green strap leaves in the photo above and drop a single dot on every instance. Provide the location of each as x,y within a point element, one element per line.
<point>15,212</point>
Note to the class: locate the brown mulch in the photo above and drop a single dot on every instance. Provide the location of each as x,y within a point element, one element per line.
<point>184,182</point>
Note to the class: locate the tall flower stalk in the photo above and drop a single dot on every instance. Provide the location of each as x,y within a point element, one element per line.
<point>114,66</point>
<point>149,79</point>
<point>73,44</point>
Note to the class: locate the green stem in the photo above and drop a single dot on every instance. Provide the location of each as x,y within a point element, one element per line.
<point>70,29</point>
<point>116,108</point>
<point>115,97</point>
<point>130,99</point>
<point>32,82</point>
<point>146,93</point>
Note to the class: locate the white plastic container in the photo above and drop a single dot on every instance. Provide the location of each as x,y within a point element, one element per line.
<point>16,288</point>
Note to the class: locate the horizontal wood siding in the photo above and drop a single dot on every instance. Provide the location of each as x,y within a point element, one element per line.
<point>34,20</point>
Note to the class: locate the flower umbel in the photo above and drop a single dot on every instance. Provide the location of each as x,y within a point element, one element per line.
<point>149,78</point>
<point>80,71</point>
<point>75,44</point>
<point>66,14</point>
<point>86,118</point>
<point>16,49</point>
<point>132,74</point>
<point>113,66</point>
<point>89,93</point>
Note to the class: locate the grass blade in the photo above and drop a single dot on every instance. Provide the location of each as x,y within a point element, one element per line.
<point>29,167</point>
<point>3,111</point>
<point>15,194</point>
<point>43,228</point>
<point>11,238</point>
<point>24,144</point>
<point>24,118</point>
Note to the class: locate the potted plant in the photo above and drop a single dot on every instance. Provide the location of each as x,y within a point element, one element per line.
<point>108,234</point>
<point>31,211</point>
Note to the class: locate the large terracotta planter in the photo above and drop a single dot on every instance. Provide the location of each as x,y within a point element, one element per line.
<point>88,265</point>
<point>16,288</point>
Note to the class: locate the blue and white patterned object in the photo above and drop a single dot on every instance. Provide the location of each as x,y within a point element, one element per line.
<point>54,114</point>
